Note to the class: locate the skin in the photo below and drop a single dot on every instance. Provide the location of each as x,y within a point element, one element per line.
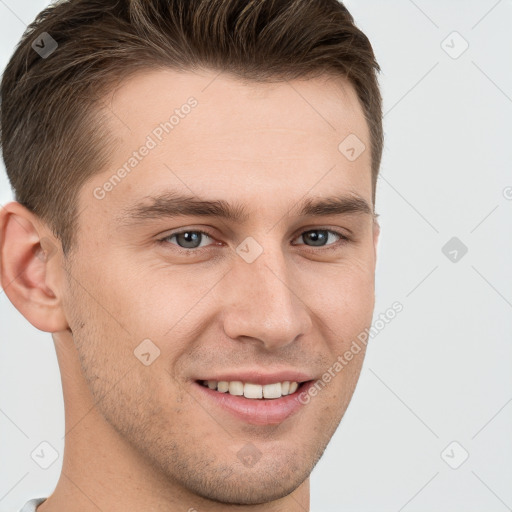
<point>140,437</point>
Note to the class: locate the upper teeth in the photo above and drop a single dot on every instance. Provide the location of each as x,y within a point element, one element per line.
<point>249,390</point>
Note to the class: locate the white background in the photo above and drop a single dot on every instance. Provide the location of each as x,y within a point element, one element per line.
<point>441,370</point>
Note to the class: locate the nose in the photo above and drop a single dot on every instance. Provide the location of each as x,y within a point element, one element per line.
<point>262,301</point>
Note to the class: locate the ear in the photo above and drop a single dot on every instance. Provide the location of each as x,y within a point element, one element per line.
<point>29,266</point>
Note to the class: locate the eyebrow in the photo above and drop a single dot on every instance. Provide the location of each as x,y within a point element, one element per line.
<point>171,204</point>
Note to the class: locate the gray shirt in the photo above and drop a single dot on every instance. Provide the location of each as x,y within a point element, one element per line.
<point>31,505</point>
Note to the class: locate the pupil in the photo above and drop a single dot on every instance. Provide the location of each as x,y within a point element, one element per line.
<point>317,237</point>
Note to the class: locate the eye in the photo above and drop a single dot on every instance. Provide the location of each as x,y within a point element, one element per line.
<point>189,239</point>
<point>320,237</point>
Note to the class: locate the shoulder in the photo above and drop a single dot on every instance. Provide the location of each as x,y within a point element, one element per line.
<point>31,505</point>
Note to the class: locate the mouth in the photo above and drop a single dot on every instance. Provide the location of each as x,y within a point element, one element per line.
<point>253,391</point>
<point>249,402</point>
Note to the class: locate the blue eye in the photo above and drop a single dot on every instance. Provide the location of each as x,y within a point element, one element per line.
<point>319,237</point>
<point>187,239</point>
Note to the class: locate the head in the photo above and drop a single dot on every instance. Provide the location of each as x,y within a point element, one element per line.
<point>195,188</point>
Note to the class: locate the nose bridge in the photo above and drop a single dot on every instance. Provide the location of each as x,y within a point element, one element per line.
<point>261,301</point>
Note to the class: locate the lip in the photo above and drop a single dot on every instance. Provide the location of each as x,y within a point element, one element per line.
<point>258,377</point>
<point>254,411</point>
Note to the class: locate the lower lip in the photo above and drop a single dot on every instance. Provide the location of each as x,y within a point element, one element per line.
<point>257,411</point>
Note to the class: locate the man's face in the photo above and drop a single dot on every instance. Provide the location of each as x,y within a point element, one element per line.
<point>273,296</point>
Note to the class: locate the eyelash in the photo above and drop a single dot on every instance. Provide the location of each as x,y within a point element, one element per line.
<point>336,245</point>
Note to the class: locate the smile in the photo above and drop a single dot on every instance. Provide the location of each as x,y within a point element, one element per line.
<point>256,404</point>
<point>251,390</point>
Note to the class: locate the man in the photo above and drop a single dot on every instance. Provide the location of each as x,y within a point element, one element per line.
<point>194,223</point>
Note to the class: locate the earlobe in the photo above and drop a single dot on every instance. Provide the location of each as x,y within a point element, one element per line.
<point>28,261</point>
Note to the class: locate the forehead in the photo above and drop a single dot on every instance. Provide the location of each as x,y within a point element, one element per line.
<point>326,104</point>
<point>207,133</point>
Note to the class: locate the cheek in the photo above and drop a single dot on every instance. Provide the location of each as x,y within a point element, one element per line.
<point>129,301</point>
<point>97,314</point>
<point>343,304</point>
<point>344,294</point>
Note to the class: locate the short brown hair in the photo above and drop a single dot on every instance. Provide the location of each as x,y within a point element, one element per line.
<point>52,135</point>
